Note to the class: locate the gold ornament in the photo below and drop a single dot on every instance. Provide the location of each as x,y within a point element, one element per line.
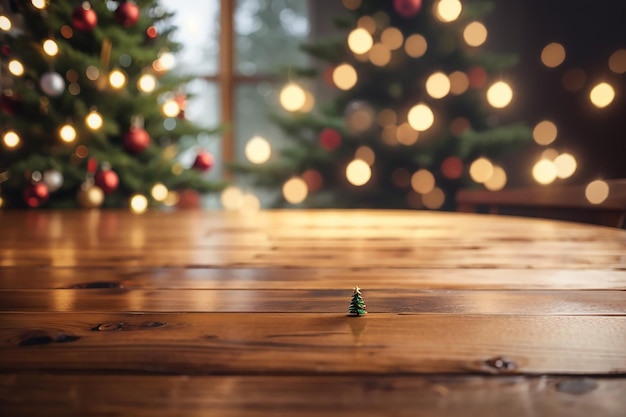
<point>90,196</point>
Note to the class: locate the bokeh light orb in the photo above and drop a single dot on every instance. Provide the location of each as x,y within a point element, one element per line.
<point>421,117</point>
<point>258,150</point>
<point>295,190</point>
<point>358,172</point>
<point>360,41</point>
<point>438,85</point>
<point>602,95</point>
<point>565,165</point>
<point>345,76</point>
<point>499,95</point>
<point>597,191</point>
<point>481,170</point>
<point>545,132</point>
<point>544,171</point>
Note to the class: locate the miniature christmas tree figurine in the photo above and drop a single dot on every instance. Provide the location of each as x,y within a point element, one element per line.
<point>357,305</point>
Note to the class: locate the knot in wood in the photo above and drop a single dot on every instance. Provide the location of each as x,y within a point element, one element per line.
<point>501,363</point>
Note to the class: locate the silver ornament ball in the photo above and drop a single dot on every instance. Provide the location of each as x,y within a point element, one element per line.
<point>52,84</point>
<point>53,179</point>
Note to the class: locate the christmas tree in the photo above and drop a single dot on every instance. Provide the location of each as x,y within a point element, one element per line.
<point>91,114</point>
<point>357,305</point>
<point>413,116</point>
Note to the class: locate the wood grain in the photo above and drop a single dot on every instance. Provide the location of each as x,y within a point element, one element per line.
<point>259,396</point>
<point>308,344</point>
<point>310,278</point>
<point>587,303</point>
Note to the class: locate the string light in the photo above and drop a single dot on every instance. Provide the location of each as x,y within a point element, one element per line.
<point>159,192</point>
<point>366,154</point>
<point>368,23</point>
<point>138,203</point>
<point>553,55</point>
<point>597,191</point>
<point>423,181</point>
<point>379,55</point>
<point>617,61</point>
<point>295,190</point>
<point>344,76</point>
<point>438,85</point>
<point>50,47</point>
<point>544,171</point>
<point>147,83</point>
<point>386,117</point>
<point>481,170</point>
<point>292,97</point>
<point>360,41</point>
<point>545,132</point>
<point>475,34</point>
<point>166,61</point>
<point>39,4</point>
<point>421,117</point>
<point>258,150</point>
<point>170,108</point>
<point>94,120</point>
<point>565,165</point>
<point>11,139</point>
<point>117,79</point>
<point>498,179</point>
<point>415,45</point>
<point>358,172</point>
<point>16,68</point>
<point>499,95</point>
<point>448,10</point>
<point>406,135</point>
<point>67,133</point>
<point>392,38</point>
<point>602,95</point>
<point>434,199</point>
<point>459,82</point>
<point>231,198</point>
<point>5,23</point>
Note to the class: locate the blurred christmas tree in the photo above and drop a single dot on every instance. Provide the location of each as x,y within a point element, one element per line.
<point>410,121</point>
<point>90,114</point>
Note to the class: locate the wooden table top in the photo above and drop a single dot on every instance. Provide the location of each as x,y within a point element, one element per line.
<point>196,313</point>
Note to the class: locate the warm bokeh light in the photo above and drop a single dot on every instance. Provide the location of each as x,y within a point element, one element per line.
<point>545,132</point>
<point>231,198</point>
<point>138,203</point>
<point>295,190</point>
<point>359,117</point>
<point>367,22</point>
<point>258,150</point>
<point>360,41</point>
<point>94,120</point>
<point>415,45</point>
<point>553,55</point>
<point>117,79</point>
<point>438,85</point>
<point>499,95</point>
<point>602,95</point>
<point>421,117</point>
<point>423,181</point>
<point>147,83</point>
<point>166,61</point>
<point>498,179</point>
<point>170,108</point>
<point>481,170</point>
<point>358,172</point>
<point>159,192</point>
<point>366,154</point>
<point>92,72</point>
<point>434,199</point>
<point>459,82</point>
<point>50,47</point>
<point>549,153</point>
<point>388,135</point>
<point>39,4</point>
<point>565,165</point>
<point>406,135</point>
<point>344,76</point>
<point>544,171</point>
<point>387,117</point>
<point>597,191</point>
<point>475,34</point>
<point>448,10</point>
<point>292,97</point>
<point>351,4</point>
<point>574,79</point>
<point>379,55</point>
<point>392,38</point>
<point>309,102</point>
<point>250,204</point>
<point>67,133</point>
<point>11,139</point>
<point>617,61</point>
<point>5,23</point>
<point>16,68</point>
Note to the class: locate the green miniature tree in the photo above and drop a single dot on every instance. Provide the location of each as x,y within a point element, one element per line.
<point>357,305</point>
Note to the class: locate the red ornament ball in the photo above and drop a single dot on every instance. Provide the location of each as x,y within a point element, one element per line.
<point>452,167</point>
<point>36,194</point>
<point>127,14</point>
<point>189,199</point>
<point>204,161</point>
<point>136,139</point>
<point>477,77</point>
<point>84,18</point>
<point>330,139</point>
<point>107,180</point>
<point>313,179</point>
<point>407,8</point>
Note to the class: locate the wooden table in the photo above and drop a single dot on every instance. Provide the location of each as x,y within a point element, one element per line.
<point>191,313</point>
